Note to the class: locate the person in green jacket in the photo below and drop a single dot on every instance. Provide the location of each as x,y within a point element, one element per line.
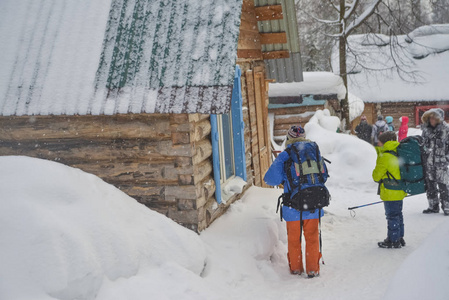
<point>387,168</point>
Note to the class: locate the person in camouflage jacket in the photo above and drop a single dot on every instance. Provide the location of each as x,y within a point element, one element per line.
<point>435,132</point>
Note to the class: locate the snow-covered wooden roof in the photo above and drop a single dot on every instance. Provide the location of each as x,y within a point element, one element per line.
<point>314,83</point>
<point>117,56</point>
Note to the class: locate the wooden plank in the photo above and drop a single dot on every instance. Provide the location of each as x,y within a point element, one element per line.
<point>295,110</point>
<point>291,120</point>
<point>262,148</point>
<point>78,151</point>
<point>262,123</point>
<point>276,54</point>
<point>249,76</point>
<point>86,127</point>
<point>249,40</point>
<point>250,54</point>
<point>273,38</point>
<point>259,110</point>
<point>133,173</point>
<point>270,12</point>
<point>250,25</point>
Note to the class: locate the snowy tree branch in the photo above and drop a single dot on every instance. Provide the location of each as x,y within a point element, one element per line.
<point>351,8</point>
<point>360,19</point>
<point>328,22</point>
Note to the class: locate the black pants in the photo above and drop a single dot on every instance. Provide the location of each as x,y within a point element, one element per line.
<point>438,192</point>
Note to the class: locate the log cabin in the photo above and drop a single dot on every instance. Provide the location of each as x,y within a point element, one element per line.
<point>166,100</point>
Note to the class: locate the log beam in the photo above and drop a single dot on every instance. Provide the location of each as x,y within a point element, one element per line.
<point>276,54</point>
<point>270,12</point>
<point>273,38</point>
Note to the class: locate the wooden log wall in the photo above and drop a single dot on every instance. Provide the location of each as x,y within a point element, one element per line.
<point>163,161</point>
<point>284,118</point>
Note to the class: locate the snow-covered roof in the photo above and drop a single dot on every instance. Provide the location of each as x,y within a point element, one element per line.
<point>116,56</point>
<point>314,83</point>
<point>424,57</point>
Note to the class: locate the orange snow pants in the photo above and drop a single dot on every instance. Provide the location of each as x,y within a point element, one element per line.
<point>311,236</point>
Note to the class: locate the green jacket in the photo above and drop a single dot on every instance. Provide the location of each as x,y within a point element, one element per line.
<point>388,162</point>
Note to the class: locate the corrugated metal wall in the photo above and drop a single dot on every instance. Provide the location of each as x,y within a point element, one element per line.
<point>285,69</point>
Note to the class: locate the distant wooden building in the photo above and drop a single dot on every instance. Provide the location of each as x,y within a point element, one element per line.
<point>166,100</point>
<point>294,103</point>
<point>387,93</point>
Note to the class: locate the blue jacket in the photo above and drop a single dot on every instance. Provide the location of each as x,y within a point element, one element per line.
<point>275,176</point>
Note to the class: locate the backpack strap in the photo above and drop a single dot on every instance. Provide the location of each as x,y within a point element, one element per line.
<point>319,162</point>
<point>392,153</point>
<point>287,168</point>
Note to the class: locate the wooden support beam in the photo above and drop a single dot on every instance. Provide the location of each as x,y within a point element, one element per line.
<point>249,53</point>
<point>276,54</point>
<point>270,12</point>
<point>273,38</point>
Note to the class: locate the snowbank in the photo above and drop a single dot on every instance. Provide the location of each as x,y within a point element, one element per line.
<point>352,159</point>
<point>424,273</point>
<point>66,234</point>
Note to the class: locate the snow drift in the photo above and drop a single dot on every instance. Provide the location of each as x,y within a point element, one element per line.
<point>424,273</point>
<point>352,159</point>
<point>65,232</point>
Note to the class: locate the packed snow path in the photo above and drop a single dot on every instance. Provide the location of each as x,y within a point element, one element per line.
<point>355,267</point>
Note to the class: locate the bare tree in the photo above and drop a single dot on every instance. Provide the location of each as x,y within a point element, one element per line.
<point>349,16</point>
<point>382,20</point>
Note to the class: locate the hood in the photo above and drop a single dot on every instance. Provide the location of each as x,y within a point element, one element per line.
<point>389,119</point>
<point>390,146</point>
<point>438,113</point>
<point>404,120</point>
<point>381,123</point>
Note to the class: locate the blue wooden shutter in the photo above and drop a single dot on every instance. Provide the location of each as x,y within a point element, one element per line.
<point>238,126</point>
<point>216,157</point>
<point>237,134</point>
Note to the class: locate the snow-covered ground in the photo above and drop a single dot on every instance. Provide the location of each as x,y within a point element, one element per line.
<point>66,234</point>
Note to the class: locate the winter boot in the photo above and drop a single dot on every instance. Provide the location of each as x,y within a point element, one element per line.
<point>431,211</point>
<point>312,275</point>
<point>389,244</point>
<point>402,241</point>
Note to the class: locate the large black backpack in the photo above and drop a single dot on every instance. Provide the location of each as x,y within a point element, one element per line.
<point>411,155</point>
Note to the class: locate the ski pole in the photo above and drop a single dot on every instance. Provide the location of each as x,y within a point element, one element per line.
<point>351,208</point>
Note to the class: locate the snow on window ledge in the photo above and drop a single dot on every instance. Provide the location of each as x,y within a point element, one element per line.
<point>232,187</point>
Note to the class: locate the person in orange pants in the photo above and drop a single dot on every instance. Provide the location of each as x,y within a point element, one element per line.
<point>311,236</point>
<point>310,175</point>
